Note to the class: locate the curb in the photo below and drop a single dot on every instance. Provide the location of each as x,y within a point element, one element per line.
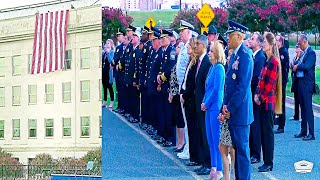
<point>316,107</point>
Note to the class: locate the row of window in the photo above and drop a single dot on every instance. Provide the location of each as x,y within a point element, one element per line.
<point>17,62</point>
<point>49,127</point>
<point>49,93</point>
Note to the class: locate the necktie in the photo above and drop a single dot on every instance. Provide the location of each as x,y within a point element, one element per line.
<point>199,63</point>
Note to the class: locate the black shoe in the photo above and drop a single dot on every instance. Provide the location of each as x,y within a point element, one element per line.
<point>279,131</point>
<point>300,135</point>
<point>204,171</point>
<point>179,150</point>
<point>199,169</point>
<point>167,144</point>
<point>309,138</point>
<point>191,163</point>
<point>254,160</point>
<point>265,168</point>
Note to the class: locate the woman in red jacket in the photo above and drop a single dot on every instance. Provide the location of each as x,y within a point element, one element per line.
<point>268,97</point>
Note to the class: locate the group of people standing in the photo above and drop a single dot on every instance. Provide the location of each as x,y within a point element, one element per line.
<point>207,96</point>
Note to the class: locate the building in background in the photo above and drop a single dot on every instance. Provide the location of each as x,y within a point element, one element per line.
<point>58,113</point>
<point>148,5</point>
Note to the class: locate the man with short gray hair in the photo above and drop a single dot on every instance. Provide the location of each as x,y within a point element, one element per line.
<point>306,88</point>
<point>203,65</point>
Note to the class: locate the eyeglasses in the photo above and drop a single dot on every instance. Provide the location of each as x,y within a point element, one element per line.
<point>198,43</point>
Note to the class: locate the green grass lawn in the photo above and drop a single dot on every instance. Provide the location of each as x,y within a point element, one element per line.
<point>140,18</point>
<point>316,97</point>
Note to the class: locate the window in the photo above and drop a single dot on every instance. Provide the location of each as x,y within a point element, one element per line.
<point>32,128</point>
<point>30,160</point>
<point>32,92</point>
<point>85,126</point>
<point>68,61</point>
<point>16,128</point>
<point>49,93</point>
<point>100,56</point>
<point>29,63</point>
<point>16,92</point>
<point>16,65</point>
<point>100,89</point>
<point>66,92</point>
<point>85,91</point>
<point>66,127</point>
<point>100,125</point>
<point>84,58</point>
<point>2,97</point>
<point>1,129</point>
<point>2,66</point>
<point>49,127</point>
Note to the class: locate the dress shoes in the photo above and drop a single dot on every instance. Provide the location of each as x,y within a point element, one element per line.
<point>204,171</point>
<point>265,168</point>
<point>279,131</point>
<point>199,169</point>
<point>191,163</point>
<point>300,135</point>
<point>254,160</point>
<point>161,140</point>
<point>309,138</point>
<point>179,149</point>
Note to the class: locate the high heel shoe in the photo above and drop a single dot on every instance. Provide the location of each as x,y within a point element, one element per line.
<point>212,173</point>
<point>179,149</point>
<point>217,176</point>
<point>265,168</point>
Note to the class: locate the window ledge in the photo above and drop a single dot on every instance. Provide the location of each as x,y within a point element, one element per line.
<point>16,104</point>
<point>49,102</point>
<point>66,102</point>
<point>32,138</point>
<point>66,137</point>
<point>84,136</point>
<point>49,137</point>
<point>85,100</point>
<point>16,138</point>
<point>32,104</point>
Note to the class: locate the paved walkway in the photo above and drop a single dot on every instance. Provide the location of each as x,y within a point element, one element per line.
<point>129,153</point>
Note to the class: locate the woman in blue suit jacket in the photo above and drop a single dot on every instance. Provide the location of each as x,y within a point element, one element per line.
<point>212,103</point>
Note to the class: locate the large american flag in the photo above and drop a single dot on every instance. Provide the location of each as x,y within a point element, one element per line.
<point>49,45</point>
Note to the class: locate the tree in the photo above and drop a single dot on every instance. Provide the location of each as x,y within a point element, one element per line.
<point>9,166</point>
<point>220,19</point>
<point>306,14</point>
<point>259,15</point>
<point>112,20</point>
<point>94,155</point>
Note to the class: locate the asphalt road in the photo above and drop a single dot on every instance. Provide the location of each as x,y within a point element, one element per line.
<point>129,153</point>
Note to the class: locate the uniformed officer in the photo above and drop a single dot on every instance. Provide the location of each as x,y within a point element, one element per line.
<point>166,61</point>
<point>151,76</point>
<point>146,51</point>
<point>132,77</point>
<point>237,106</point>
<point>212,35</point>
<point>118,75</point>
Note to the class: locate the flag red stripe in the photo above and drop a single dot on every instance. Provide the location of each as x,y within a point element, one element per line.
<point>45,44</point>
<point>56,41</point>
<point>51,47</point>
<point>40,44</point>
<point>65,35</point>
<point>60,35</point>
<point>35,43</point>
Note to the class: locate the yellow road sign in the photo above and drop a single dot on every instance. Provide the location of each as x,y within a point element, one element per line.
<point>204,29</point>
<point>205,15</point>
<point>151,22</point>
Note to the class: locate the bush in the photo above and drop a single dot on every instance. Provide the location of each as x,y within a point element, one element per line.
<point>9,166</point>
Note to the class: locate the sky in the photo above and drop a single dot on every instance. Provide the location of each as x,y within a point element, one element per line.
<point>14,3</point>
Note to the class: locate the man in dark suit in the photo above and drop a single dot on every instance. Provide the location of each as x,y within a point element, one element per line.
<point>203,66</point>
<point>237,106</point>
<point>284,58</point>
<point>306,85</point>
<point>259,59</point>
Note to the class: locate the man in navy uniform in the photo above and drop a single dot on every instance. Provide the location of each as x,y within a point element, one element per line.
<point>259,59</point>
<point>153,95</point>
<point>166,62</point>
<point>212,36</point>
<point>306,88</point>
<point>118,76</point>
<point>132,77</point>
<point>146,51</point>
<point>237,106</point>
<point>284,58</point>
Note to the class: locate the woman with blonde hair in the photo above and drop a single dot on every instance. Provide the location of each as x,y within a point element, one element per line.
<point>269,98</point>
<point>187,98</point>
<point>107,72</point>
<point>212,103</point>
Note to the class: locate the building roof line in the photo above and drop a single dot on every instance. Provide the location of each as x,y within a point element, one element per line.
<point>34,5</point>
